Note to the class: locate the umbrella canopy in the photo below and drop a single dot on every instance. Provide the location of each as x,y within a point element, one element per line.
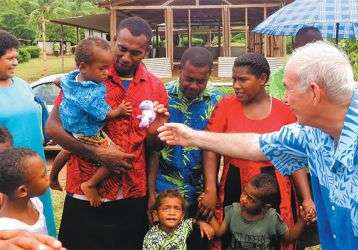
<point>329,16</point>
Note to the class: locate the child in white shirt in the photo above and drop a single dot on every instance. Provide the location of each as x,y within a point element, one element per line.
<point>22,179</point>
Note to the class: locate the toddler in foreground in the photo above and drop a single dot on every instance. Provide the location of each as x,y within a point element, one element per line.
<point>5,139</point>
<point>253,223</point>
<point>22,179</point>
<point>84,110</point>
<point>172,229</point>
<point>5,143</point>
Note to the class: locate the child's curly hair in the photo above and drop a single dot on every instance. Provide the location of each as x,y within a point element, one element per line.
<point>267,187</point>
<point>85,49</point>
<point>5,135</point>
<point>13,169</point>
<point>256,63</point>
<point>172,193</point>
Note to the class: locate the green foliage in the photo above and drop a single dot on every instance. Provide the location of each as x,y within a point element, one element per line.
<point>54,33</point>
<point>226,90</point>
<point>184,41</point>
<point>215,41</point>
<point>238,39</point>
<point>289,45</point>
<point>23,55</point>
<point>24,18</point>
<point>33,69</point>
<point>351,48</point>
<point>56,47</point>
<point>34,51</point>
<point>195,41</point>
<point>15,21</point>
<point>161,42</point>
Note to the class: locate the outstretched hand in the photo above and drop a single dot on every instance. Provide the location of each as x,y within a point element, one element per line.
<point>162,117</point>
<point>24,240</point>
<point>175,134</point>
<point>160,109</point>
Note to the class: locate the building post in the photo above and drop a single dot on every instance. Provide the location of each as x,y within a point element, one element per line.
<point>113,26</point>
<point>169,34</point>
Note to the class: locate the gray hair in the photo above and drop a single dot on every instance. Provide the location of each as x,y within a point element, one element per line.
<point>326,65</point>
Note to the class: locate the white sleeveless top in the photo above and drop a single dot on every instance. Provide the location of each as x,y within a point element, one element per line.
<point>39,227</point>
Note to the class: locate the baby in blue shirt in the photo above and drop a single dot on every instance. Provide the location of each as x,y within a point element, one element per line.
<point>84,110</point>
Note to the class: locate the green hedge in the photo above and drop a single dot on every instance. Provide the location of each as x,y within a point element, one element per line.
<point>226,90</point>
<point>23,55</point>
<point>34,51</point>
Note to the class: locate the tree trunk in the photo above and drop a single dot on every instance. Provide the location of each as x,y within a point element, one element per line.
<point>44,57</point>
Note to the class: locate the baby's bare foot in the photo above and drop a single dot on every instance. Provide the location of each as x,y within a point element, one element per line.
<point>92,194</point>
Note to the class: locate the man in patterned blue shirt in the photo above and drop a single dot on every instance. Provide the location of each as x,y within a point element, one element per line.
<point>320,91</point>
<point>191,102</point>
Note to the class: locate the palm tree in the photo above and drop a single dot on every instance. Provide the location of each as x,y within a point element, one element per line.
<point>43,10</point>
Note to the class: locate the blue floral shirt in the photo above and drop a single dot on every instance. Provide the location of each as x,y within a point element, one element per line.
<point>83,109</point>
<point>181,167</point>
<point>334,173</point>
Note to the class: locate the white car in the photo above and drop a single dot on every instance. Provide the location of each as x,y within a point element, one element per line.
<point>48,91</point>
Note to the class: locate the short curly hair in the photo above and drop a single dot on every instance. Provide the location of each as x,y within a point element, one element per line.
<point>198,57</point>
<point>5,135</point>
<point>255,62</point>
<point>306,29</point>
<point>137,26</point>
<point>13,169</point>
<point>267,188</point>
<point>7,41</point>
<point>171,193</point>
<point>84,50</point>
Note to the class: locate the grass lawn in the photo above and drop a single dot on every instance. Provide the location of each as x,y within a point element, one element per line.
<point>57,196</point>
<point>57,202</point>
<point>33,69</point>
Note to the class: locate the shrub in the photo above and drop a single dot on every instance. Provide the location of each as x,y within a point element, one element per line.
<point>226,90</point>
<point>73,49</point>
<point>34,51</point>
<point>23,55</point>
<point>195,41</point>
<point>351,48</point>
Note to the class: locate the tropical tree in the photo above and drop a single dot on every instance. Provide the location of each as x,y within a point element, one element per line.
<point>13,18</point>
<point>43,11</point>
<point>351,48</point>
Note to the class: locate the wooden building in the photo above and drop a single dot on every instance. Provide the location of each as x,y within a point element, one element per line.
<point>222,16</point>
<point>213,18</point>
